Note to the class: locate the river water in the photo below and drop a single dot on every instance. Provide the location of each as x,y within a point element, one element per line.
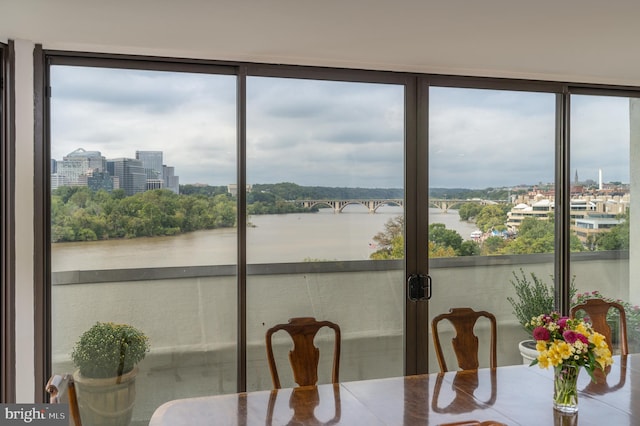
<point>271,239</point>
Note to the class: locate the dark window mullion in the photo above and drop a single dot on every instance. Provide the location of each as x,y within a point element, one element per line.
<point>41,225</point>
<point>242,229</point>
<point>562,217</point>
<point>7,139</point>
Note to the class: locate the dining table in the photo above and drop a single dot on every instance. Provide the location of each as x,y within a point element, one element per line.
<point>510,395</point>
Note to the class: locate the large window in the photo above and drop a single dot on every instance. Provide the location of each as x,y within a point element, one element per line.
<point>329,156</point>
<point>492,197</point>
<point>143,222</point>
<point>204,203</point>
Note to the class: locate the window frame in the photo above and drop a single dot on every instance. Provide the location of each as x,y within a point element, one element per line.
<point>416,148</point>
<point>7,142</point>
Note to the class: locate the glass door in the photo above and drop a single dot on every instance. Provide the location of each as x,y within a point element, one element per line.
<point>325,229</point>
<point>143,225</point>
<point>605,131</point>
<point>491,207</point>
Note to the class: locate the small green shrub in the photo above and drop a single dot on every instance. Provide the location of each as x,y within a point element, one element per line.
<point>533,298</point>
<point>108,350</point>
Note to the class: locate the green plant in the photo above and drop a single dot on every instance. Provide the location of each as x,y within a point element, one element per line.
<point>108,350</point>
<point>533,298</point>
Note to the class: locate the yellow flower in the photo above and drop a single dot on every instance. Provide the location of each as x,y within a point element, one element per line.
<point>563,349</point>
<point>598,340</point>
<point>583,329</point>
<point>555,354</point>
<point>543,359</point>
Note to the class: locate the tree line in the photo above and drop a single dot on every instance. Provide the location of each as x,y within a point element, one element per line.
<point>534,236</point>
<point>291,191</point>
<point>80,214</point>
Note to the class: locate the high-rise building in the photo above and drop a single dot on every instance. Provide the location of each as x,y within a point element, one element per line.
<point>76,165</point>
<point>154,184</point>
<point>152,163</point>
<point>130,173</point>
<point>171,181</point>
<point>100,181</point>
<point>57,181</point>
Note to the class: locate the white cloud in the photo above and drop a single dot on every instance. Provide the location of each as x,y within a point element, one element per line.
<point>328,133</point>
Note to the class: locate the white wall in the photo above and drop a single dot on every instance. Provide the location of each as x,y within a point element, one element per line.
<point>573,40</point>
<point>24,222</point>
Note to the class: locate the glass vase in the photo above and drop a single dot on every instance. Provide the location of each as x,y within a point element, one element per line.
<point>565,388</point>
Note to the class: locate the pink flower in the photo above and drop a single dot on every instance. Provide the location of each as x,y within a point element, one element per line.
<point>541,333</point>
<point>571,337</point>
<point>562,323</point>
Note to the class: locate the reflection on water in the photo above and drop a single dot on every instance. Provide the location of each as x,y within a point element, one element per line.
<point>272,239</point>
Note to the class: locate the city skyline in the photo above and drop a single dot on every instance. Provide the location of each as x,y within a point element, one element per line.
<point>327,133</point>
<point>598,180</point>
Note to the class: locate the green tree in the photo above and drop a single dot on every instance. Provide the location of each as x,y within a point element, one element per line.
<point>80,197</point>
<point>442,242</point>
<point>491,217</point>
<point>395,250</point>
<point>493,245</point>
<point>534,236</point>
<point>443,237</point>
<point>437,250</point>
<point>390,241</point>
<point>537,236</point>
<point>469,248</point>
<point>469,211</point>
<point>617,238</point>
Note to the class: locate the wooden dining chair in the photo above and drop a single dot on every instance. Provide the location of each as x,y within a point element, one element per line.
<point>61,389</point>
<point>596,310</point>
<point>304,356</point>
<point>465,342</point>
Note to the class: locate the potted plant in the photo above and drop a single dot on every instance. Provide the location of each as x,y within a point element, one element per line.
<point>106,356</point>
<point>533,297</point>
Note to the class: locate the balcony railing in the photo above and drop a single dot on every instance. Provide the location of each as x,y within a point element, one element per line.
<point>190,314</point>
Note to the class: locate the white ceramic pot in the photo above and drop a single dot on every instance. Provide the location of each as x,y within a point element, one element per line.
<point>528,351</point>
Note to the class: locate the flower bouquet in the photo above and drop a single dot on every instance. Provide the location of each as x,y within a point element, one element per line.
<point>566,345</point>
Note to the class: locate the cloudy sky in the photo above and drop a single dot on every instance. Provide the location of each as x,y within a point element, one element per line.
<point>329,133</point>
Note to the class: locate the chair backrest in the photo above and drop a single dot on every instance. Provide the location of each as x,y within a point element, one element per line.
<point>304,356</point>
<point>465,342</point>
<point>61,388</point>
<point>596,310</point>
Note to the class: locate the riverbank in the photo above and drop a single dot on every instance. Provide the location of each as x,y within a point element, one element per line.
<point>282,238</point>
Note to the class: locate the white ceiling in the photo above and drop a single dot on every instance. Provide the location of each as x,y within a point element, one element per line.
<point>575,40</point>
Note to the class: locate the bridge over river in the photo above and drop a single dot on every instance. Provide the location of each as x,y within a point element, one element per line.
<point>373,204</point>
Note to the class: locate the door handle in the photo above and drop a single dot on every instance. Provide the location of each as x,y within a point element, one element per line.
<point>418,287</point>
